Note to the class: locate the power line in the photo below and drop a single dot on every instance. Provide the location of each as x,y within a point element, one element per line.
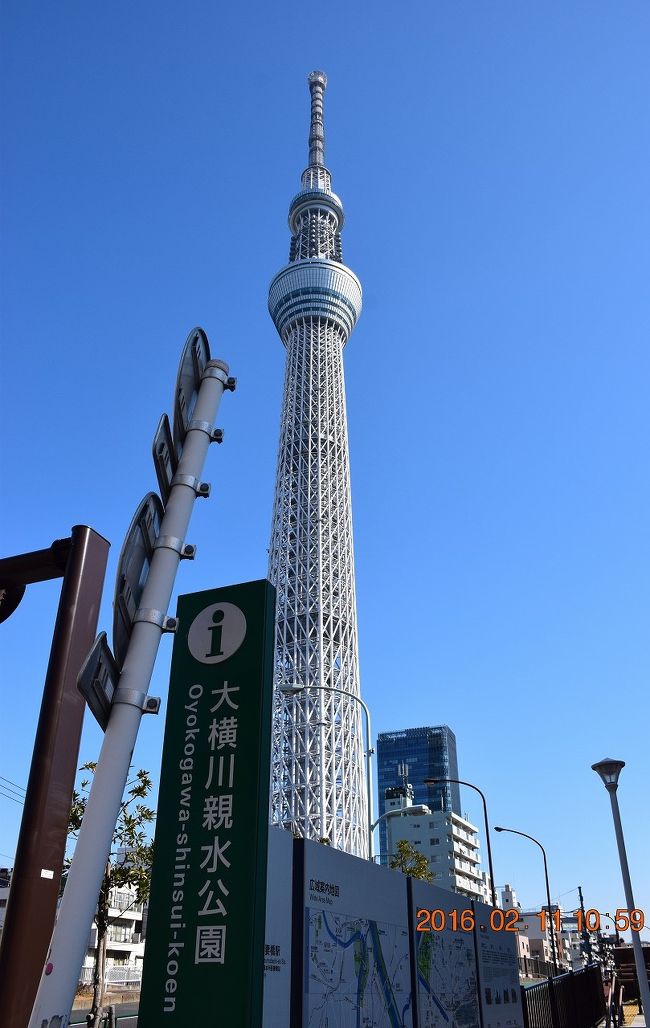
<point>8,796</point>
<point>13,786</point>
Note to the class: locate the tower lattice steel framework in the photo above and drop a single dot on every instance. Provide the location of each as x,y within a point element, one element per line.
<point>318,786</point>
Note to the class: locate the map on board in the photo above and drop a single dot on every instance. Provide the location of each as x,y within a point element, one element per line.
<point>447,992</point>
<point>357,972</point>
<point>446,980</point>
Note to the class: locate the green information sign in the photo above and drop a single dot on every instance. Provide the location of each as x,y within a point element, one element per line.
<point>204,954</point>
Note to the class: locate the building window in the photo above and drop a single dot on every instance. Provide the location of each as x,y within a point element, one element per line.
<point>434,842</point>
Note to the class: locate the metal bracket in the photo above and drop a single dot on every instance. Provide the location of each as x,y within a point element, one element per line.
<point>212,370</point>
<point>215,372</point>
<point>200,488</point>
<point>186,551</point>
<point>215,435</point>
<point>134,698</point>
<point>155,617</point>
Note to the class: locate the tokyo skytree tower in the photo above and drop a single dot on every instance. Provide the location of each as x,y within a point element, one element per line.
<point>318,782</point>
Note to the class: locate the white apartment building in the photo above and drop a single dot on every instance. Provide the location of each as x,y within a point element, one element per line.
<point>448,841</point>
<point>125,940</point>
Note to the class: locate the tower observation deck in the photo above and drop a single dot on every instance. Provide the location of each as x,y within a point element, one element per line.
<point>318,786</point>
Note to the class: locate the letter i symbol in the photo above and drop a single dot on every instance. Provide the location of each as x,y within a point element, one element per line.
<point>216,630</point>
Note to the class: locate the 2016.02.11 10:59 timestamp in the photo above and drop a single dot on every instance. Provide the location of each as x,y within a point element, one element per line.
<point>508,920</point>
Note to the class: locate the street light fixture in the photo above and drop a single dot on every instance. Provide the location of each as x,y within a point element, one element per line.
<point>609,770</point>
<point>459,781</point>
<point>416,810</point>
<point>548,890</point>
<point>294,690</point>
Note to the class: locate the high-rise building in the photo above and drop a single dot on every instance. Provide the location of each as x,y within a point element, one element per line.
<point>426,753</point>
<point>318,787</point>
<point>448,841</point>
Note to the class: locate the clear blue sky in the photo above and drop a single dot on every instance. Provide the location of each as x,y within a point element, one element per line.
<point>492,159</point>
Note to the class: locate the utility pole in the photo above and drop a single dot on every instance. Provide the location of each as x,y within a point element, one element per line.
<point>585,934</point>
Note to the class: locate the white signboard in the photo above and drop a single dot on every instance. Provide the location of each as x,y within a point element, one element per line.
<point>445,959</point>
<point>277,937</point>
<point>498,969</point>
<point>356,943</point>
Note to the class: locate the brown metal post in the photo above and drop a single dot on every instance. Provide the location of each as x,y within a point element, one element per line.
<point>36,879</point>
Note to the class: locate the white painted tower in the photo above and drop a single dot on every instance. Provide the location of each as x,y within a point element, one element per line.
<point>318,786</point>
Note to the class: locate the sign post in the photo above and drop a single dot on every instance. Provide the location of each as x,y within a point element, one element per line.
<point>148,565</point>
<point>204,960</point>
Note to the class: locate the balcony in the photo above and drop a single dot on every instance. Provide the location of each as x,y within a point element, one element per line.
<point>467,853</point>
<point>460,833</point>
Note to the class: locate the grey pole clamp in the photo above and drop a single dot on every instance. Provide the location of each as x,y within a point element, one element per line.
<point>135,698</point>
<point>199,488</point>
<point>215,435</point>
<point>212,370</point>
<point>186,551</point>
<point>156,617</point>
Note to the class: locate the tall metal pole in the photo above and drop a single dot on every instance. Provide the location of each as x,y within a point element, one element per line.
<point>40,852</point>
<point>609,771</point>
<point>548,888</point>
<point>585,934</point>
<point>58,984</point>
<point>459,781</point>
<point>641,972</point>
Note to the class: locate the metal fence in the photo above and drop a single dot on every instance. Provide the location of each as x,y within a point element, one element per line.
<point>116,974</point>
<point>573,1000</point>
<point>535,967</point>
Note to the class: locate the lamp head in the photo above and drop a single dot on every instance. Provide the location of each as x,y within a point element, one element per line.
<point>609,770</point>
<point>497,829</point>
<point>432,781</point>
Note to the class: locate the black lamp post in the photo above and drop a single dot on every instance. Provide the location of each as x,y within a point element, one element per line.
<point>548,890</point>
<point>458,781</point>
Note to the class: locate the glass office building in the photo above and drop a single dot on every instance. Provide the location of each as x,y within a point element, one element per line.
<point>428,753</point>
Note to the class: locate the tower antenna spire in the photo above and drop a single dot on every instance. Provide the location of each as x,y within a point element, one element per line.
<point>317,83</point>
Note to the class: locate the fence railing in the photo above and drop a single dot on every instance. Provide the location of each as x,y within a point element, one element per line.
<point>116,974</point>
<point>535,967</point>
<point>572,1000</point>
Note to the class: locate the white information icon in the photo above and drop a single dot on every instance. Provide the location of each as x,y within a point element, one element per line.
<point>216,633</point>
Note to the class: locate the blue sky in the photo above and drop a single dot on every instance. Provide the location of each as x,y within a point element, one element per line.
<point>492,159</point>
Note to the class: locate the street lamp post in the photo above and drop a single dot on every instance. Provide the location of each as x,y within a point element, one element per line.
<point>295,689</point>
<point>609,770</point>
<point>416,809</point>
<point>459,781</point>
<point>548,890</point>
